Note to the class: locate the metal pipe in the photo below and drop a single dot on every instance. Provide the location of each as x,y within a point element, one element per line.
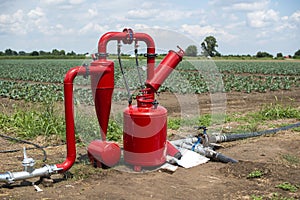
<point>208,152</point>
<point>10,177</point>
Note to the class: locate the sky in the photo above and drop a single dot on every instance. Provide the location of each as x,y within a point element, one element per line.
<point>239,26</point>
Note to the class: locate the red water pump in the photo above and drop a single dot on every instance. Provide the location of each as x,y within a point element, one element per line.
<point>145,124</point>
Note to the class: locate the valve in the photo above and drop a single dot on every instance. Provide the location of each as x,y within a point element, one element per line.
<point>202,136</point>
<point>27,163</point>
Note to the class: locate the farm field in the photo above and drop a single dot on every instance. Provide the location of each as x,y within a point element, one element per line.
<point>249,86</point>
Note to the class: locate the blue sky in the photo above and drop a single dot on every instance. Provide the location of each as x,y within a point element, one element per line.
<point>240,26</point>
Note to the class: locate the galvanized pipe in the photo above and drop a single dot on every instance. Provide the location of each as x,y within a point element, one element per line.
<point>10,177</point>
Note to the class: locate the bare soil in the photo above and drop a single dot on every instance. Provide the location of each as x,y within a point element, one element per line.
<point>276,156</point>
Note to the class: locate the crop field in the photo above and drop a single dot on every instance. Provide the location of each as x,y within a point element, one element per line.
<point>260,95</point>
<point>41,80</point>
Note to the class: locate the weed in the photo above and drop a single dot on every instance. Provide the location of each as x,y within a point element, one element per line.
<point>278,111</point>
<point>291,159</point>
<point>288,187</point>
<point>255,174</point>
<point>254,197</point>
<point>115,132</point>
<point>82,171</point>
<point>29,124</point>
<point>174,123</point>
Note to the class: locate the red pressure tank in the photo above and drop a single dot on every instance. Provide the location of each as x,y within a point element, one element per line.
<point>145,133</point>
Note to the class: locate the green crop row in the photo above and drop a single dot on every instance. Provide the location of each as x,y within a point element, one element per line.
<point>52,71</point>
<point>40,80</point>
<point>31,91</point>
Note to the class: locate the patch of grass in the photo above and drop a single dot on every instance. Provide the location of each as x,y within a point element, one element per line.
<point>174,123</point>
<point>288,187</point>
<point>291,158</point>
<point>29,124</point>
<point>203,120</point>
<point>278,111</point>
<point>274,111</point>
<point>82,171</point>
<point>255,174</point>
<point>254,197</point>
<point>114,131</point>
<point>275,196</point>
<point>87,129</point>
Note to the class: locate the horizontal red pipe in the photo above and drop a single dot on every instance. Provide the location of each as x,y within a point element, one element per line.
<point>103,41</point>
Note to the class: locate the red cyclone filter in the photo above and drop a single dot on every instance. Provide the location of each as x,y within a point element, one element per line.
<point>145,133</point>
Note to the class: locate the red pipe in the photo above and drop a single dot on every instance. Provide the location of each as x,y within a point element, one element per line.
<point>69,116</point>
<point>164,69</point>
<point>69,113</point>
<point>103,41</point>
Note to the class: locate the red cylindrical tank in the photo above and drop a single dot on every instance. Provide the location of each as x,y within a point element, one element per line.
<point>145,133</point>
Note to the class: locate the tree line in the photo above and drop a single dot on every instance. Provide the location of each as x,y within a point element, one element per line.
<point>209,45</point>
<point>54,52</point>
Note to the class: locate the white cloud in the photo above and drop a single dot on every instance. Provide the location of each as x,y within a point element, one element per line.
<point>36,13</point>
<point>76,1</point>
<point>13,23</point>
<point>198,31</point>
<point>262,18</point>
<point>92,12</point>
<point>250,6</point>
<point>92,28</point>
<point>142,13</point>
<point>54,1</point>
<point>296,16</point>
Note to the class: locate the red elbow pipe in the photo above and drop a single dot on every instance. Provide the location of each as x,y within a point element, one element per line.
<point>69,117</point>
<point>103,41</point>
<point>69,112</point>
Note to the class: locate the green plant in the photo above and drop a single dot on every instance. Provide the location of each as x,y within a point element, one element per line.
<point>278,111</point>
<point>255,174</point>
<point>291,158</point>
<point>254,197</point>
<point>31,123</point>
<point>288,187</point>
<point>174,123</point>
<point>114,131</point>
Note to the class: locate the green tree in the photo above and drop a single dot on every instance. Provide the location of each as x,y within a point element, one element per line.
<point>279,55</point>
<point>62,52</point>
<point>297,53</point>
<point>72,53</point>
<point>22,53</point>
<point>34,53</point>
<point>8,52</point>
<point>263,54</point>
<point>55,52</point>
<point>191,51</point>
<point>209,46</point>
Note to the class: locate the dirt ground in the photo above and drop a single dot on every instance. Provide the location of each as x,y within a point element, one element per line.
<point>276,156</point>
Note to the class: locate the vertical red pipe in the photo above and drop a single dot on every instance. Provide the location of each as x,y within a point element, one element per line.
<point>69,117</point>
<point>150,52</point>
<point>69,106</point>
